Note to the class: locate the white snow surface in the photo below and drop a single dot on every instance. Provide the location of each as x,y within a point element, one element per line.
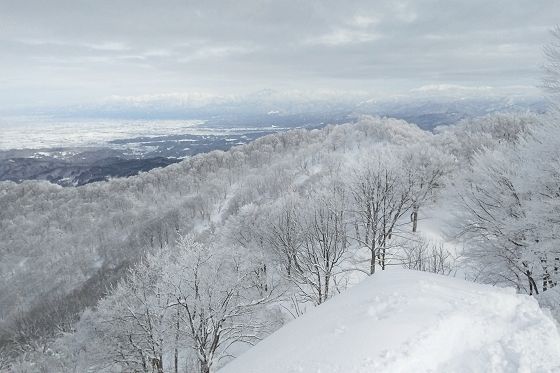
<point>408,321</point>
<point>39,133</point>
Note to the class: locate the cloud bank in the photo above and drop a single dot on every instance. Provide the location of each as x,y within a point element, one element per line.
<point>62,51</point>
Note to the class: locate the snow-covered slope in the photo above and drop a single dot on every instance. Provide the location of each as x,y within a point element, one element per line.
<point>407,321</point>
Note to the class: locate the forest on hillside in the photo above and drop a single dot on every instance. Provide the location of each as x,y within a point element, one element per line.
<point>200,259</point>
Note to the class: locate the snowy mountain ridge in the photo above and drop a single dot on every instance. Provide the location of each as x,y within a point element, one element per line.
<point>408,321</point>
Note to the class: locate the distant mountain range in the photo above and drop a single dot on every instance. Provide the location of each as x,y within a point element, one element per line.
<point>427,106</point>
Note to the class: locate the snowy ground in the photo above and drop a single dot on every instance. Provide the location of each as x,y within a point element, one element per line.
<point>407,321</point>
<point>39,133</point>
<point>35,133</point>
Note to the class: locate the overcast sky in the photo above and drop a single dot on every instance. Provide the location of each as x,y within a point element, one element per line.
<point>68,51</point>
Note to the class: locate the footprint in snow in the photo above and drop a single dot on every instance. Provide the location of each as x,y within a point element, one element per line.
<point>386,308</point>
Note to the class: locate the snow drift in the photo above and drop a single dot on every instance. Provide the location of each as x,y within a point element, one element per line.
<point>407,321</point>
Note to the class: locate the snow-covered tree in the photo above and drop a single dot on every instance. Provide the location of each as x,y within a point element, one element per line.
<point>508,212</point>
<point>473,136</point>
<point>218,298</point>
<point>132,324</point>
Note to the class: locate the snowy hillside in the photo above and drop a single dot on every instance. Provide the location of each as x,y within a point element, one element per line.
<point>407,321</point>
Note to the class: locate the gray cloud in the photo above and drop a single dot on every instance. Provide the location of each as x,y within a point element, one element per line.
<point>81,50</point>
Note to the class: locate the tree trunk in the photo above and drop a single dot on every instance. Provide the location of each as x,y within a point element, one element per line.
<point>372,263</point>
<point>414,218</point>
<point>176,356</point>
<point>204,368</point>
<point>157,365</point>
<point>532,284</point>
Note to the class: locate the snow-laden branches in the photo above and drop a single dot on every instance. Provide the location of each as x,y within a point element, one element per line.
<point>509,206</point>
<point>192,301</point>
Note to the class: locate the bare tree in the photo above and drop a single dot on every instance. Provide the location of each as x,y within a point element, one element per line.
<point>426,167</point>
<point>423,255</point>
<point>311,242</point>
<point>383,194</point>
<point>285,235</point>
